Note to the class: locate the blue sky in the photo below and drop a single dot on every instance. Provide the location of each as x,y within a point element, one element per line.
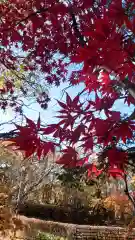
<point>32,112</point>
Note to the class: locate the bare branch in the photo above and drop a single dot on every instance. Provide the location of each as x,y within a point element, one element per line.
<point>32,187</point>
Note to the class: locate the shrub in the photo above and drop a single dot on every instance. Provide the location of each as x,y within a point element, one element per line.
<point>97,215</point>
<point>121,206</point>
<point>48,236</point>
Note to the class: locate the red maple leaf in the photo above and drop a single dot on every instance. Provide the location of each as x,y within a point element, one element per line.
<point>88,143</point>
<point>80,130</point>
<point>124,131</point>
<point>69,157</point>
<point>29,141</point>
<point>117,157</point>
<point>93,171</point>
<point>117,12</point>
<point>116,172</point>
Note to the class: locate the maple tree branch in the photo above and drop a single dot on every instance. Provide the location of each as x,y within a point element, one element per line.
<point>130,87</point>
<point>75,26</point>
<point>131,117</point>
<point>41,10</point>
<point>127,192</point>
<point>8,135</point>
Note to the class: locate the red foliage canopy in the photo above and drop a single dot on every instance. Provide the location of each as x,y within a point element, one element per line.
<point>98,34</point>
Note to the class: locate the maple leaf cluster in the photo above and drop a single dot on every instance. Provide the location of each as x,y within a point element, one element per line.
<point>33,142</point>
<point>100,36</point>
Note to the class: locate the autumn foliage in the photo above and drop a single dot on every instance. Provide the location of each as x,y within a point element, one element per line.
<point>99,35</point>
